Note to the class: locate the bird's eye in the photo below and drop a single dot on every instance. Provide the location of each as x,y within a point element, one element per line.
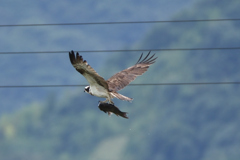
<point>87,89</point>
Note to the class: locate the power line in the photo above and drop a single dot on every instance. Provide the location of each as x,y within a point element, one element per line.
<point>140,84</point>
<point>110,23</point>
<point>128,50</point>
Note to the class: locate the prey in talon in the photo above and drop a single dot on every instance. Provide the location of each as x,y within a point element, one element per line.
<point>110,108</point>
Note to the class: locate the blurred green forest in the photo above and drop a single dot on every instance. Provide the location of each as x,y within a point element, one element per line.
<point>28,69</point>
<point>166,122</point>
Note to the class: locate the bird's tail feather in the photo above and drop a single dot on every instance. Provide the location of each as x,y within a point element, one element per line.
<point>120,96</point>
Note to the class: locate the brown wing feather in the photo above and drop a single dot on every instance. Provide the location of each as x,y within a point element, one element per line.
<point>86,70</point>
<point>123,78</point>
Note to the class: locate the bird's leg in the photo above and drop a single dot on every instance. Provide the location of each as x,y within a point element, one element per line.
<point>111,102</point>
<point>104,101</point>
<point>108,100</point>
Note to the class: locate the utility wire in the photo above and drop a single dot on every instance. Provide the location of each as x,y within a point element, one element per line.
<point>129,50</point>
<point>140,84</point>
<point>110,23</point>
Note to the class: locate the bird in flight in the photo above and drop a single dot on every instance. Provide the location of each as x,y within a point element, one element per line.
<point>100,87</point>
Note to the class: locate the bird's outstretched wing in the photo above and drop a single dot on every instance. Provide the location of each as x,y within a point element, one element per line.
<point>86,70</point>
<point>123,78</point>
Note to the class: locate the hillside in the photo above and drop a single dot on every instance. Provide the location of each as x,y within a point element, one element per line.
<point>177,122</point>
<point>28,69</point>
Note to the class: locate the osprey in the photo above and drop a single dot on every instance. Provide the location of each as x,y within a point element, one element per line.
<point>100,87</point>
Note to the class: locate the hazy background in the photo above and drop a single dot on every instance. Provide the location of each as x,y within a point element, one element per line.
<point>35,69</point>
<point>165,121</point>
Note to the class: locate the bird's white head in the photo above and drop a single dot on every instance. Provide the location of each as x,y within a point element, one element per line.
<point>87,89</point>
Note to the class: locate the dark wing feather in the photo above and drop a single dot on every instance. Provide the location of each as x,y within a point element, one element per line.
<point>123,78</point>
<point>86,70</point>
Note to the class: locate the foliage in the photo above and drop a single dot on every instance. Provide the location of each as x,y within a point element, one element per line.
<point>166,122</point>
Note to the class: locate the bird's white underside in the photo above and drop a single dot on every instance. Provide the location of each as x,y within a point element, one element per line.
<point>98,91</point>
